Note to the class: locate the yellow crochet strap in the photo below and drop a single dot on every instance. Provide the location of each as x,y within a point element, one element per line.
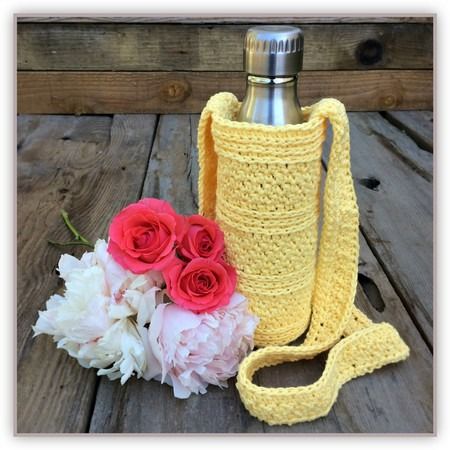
<point>268,226</point>
<point>361,352</point>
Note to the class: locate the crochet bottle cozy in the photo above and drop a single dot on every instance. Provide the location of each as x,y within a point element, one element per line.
<point>262,185</point>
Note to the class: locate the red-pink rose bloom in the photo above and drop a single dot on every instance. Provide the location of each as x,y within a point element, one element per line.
<point>203,239</point>
<point>201,285</point>
<point>143,235</point>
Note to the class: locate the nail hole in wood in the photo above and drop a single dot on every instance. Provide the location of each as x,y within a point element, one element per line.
<point>370,183</point>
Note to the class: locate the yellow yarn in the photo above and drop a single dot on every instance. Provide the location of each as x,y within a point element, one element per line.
<point>262,185</point>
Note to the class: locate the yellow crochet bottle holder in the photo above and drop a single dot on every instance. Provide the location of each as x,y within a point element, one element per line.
<point>262,185</point>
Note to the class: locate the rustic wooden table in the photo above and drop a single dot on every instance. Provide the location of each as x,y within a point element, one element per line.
<point>92,166</point>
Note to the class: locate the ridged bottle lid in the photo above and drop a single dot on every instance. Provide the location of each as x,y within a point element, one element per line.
<point>273,50</point>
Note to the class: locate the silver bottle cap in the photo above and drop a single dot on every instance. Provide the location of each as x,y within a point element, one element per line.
<point>273,51</point>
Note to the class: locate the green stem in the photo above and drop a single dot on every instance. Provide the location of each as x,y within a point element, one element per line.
<point>79,239</point>
<point>74,231</point>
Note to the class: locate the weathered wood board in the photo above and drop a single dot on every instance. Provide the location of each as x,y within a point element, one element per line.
<point>188,92</point>
<point>165,47</point>
<point>173,168</point>
<point>397,398</point>
<point>171,174</point>
<point>92,167</point>
<point>396,215</point>
<point>173,64</point>
<point>386,401</point>
<point>402,144</point>
<point>417,124</point>
<point>372,399</point>
<point>83,164</point>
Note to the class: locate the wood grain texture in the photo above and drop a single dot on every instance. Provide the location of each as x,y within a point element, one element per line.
<point>173,169</point>
<point>406,148</point>
<point>417,124</point>
<point>208,18</point>
<point>149,407</point>
<point>188,92</point>
<point>396,217</point>
<point>397,398</point>
<point>92,167</point>
<point>183,47</point>
<point>141,406</point>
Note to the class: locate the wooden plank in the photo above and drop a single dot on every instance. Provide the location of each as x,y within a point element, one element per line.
<point>90,166</point>
<point>382,402</point>
<point>386,401</point>
<point>401,144</point>
<point>173,170</point>
<point>149,407</point>
<point>41,162</point>
<point>396,217</point>
<point>168,47</point>
<point>417,124</point>
<point>171,175</point>
<point>188,92</point>
<point>28,126</point>
<point>397,398</point>
<point>230,18</point>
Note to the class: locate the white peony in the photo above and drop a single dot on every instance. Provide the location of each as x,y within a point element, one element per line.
<point>82,314</point>
<point>123,347</point>
<point>91,321</point>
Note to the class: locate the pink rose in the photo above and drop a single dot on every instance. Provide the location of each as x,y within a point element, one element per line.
<point>203,239</point>
<point>143,235</point>
<point>202,285</point>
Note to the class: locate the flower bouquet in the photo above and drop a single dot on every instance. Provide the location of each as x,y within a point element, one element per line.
<point>157,301</point>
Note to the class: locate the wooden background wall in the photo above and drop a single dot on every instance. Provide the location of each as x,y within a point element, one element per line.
<point>69,65</point>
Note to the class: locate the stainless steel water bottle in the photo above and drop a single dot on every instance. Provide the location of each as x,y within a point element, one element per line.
<point>273,57</point>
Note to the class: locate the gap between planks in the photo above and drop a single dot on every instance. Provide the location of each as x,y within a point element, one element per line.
<point>418,125</point>
<point>403,143</point>
<point>98,379</point>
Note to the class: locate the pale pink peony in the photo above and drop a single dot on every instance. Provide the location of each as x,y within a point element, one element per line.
<point>195,350</point>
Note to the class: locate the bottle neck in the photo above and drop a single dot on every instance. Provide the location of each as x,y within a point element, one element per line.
<point>271,101</point>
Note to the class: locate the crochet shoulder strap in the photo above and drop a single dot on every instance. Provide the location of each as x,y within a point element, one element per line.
<point>358,346</point>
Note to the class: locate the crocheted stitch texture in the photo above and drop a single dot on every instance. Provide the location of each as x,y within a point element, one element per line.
<point>262,185</point>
